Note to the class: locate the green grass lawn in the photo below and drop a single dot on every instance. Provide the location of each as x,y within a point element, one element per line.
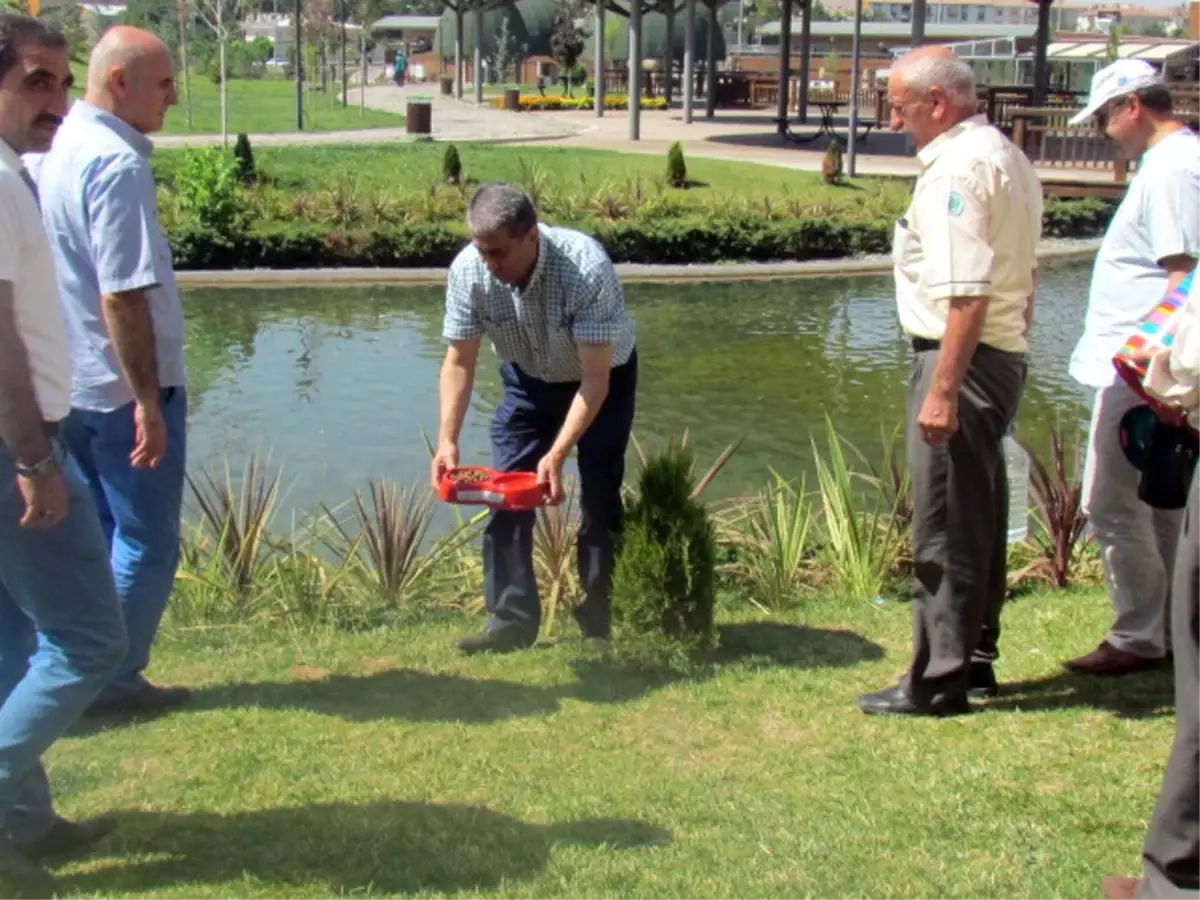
<point>382,763</point>
<point>568,183</point>
<point>269,105</point>
<point>261,106</point>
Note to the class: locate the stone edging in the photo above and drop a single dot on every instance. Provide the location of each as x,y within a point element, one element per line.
<point>629,272</point>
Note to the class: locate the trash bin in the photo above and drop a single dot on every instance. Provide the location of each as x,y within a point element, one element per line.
<point>512,99</point>
<point>447,85</point>
<point>419,116</point>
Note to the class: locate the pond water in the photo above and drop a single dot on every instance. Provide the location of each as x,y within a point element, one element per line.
<point>335,385</point>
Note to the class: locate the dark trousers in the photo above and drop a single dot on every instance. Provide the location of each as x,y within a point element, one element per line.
<point>1171,855</point>
<point>960,522</point>
<point>523,431</point>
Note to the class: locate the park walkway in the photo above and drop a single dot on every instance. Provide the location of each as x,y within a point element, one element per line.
<point>734,135</point>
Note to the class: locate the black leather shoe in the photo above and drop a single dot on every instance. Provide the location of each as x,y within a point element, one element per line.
<point>981,682</point>
<point>66,839</point>
<point>895,701</point>
<point>502,640</point>
<point>149,700</point>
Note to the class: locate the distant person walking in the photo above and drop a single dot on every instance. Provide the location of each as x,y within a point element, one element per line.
<point>965,255</point>
<point>1150,246</point>
<point>129,396</point>
<point>61,631</point>
<point>399,68</point>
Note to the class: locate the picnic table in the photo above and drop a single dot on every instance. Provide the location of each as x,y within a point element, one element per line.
<point>829,109</point>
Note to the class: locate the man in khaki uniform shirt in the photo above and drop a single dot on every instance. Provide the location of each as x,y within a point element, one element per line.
<point>965,257</point>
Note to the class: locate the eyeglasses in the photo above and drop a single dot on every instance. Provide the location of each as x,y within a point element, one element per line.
<point>1108,109</point>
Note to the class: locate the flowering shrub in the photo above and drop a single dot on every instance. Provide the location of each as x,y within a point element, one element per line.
<point>530,104</point>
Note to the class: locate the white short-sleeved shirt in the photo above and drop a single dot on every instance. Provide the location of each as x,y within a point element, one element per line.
<point>26,262</point>
<point>1159,218</point>
<point>971,230</point>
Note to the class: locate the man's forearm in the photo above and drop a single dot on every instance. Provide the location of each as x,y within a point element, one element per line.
<point>964,326</point>
<point>454,392</point>
<point>21,424</point>
<point>131,329</point>
<point>584,407</point>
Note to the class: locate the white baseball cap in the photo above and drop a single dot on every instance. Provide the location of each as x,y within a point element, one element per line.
<point>1116,80</point>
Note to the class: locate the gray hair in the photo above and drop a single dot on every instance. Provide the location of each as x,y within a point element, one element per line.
<point>950,73</point>
<point>500,207</point>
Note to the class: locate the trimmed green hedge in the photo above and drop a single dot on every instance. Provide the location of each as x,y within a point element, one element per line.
<point>649,241</point>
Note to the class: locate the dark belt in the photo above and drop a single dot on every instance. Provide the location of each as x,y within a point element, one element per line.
<point>921,345</point>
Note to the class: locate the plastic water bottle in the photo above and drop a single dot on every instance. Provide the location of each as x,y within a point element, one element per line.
<point>1016,464</point>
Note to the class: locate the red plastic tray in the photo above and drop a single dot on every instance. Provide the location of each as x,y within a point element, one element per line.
<point>509,491</point>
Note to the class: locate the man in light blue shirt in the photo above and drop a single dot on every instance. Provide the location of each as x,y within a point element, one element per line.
<point>550,302</point>
<point>125,326</point>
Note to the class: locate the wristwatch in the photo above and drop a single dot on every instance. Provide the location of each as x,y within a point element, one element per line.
<point>40,469</point>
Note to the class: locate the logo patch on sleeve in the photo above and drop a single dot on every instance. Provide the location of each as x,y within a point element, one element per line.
<point>957,204</point>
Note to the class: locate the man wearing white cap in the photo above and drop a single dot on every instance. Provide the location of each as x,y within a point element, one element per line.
<point>1151,244</point>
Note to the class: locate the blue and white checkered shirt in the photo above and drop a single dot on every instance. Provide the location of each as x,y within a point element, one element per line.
<point>573,297</point>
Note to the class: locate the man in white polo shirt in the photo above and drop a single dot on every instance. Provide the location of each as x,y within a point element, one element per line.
<point>965,255</point>
<point>1150,246</point>
<point>62,634</point>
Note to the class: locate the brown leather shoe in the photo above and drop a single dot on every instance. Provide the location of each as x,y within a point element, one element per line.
<point>1108,660</point>
<point>1119,887</point>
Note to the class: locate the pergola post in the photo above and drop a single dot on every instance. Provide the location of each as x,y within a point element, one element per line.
<point>479,52</point>
<point>785,62</point>
<point>710,64</point>
<point>599,39</point>
<point>805,57</point>
<point>1041,63</point>
<point>918,23</point>
<point>635,70</point>
<point>689,59</point>
<point>669,52</point>
<point>855,77</point>
<point>458,50</point>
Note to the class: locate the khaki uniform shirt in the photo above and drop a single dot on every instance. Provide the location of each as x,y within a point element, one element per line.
<point>972,230</point>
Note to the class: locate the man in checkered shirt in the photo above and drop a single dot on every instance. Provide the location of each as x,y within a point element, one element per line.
<point>549,301</point>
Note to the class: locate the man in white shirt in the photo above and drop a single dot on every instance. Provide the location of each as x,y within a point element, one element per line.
<point>965,255</point>
<point>1150,246</point>
<point>62,635</point>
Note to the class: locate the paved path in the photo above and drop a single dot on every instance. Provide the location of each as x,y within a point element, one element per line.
<point>452,121</point>
<point>746,136</point>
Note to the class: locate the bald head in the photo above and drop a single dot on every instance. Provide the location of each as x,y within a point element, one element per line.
<point>121,47</point>
<point>131,75</point>
<point>926,68</point>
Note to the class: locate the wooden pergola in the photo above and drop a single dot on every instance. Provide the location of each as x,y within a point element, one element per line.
<point>1041,65</point>
<point>633,10</point>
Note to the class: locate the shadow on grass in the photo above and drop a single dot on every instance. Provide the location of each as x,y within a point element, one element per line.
<point>1142,696</point>
<point>419,696</point>
<point>391,694</point>
<point>380,848</point>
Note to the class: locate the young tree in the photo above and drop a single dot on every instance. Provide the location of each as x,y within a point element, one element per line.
<point>505,54</point>
<point>222,17</point>
<point>567,39</point>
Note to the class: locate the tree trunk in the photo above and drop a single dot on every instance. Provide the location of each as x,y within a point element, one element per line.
<point>362,58</point>
<point>224,97</point>
<point>183,60</point>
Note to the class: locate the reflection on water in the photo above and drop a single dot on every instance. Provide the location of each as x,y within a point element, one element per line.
<point>337,384</point>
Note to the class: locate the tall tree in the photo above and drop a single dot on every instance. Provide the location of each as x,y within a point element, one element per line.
<point>567,39</point>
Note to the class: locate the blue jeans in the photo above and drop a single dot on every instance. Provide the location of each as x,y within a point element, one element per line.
<point>139,512</point>
<point>62,638</point>
<point>523,431</point>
